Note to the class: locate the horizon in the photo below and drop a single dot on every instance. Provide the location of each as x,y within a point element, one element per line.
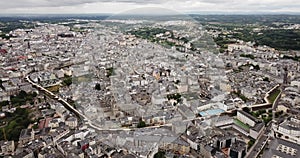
<point>144,14</point>
<point>121,6</point>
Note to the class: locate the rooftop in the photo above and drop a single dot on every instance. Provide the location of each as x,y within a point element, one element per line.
<point>282,148</point>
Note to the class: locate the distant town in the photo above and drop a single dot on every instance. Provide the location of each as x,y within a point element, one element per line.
<point>177,86</point>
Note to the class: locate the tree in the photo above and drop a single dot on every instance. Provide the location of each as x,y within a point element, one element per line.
<point>266,79</point>
<point>109,71</point>
<point>35,126</point>
<point>4,103</point>
<point>250,143</point>
<point>67,81</point>
<point>19,120</point>
<point>160,154</point>
<point>247,110</point>
<point>141,124</point>
<point>22,94</point>
<point>278,113</point>
<point>97,86</point>
<point>175,96</point>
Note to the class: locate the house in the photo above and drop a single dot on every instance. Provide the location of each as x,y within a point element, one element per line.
<point>157,99</point>
<point>155,119</point>
<point>178,145</point>
<point>223,121</point>
<point>4,96</point>
<point>83,145</point>
<point>27,87</point>
<point>238,149</point>
<point>289,129</point>
<point>26,136</point>
<point>69,150</point>
<point>60,73</point>
<point>45,123</point>
<point>42,133</point>
<point>3,51</point>
<point>24,153</point>
<point>50,151</point>
<point>58,133</point>
<point>179,127</point>
<point>55,123</point>
<point>186,112</point>
<point>48,112</point>
<point>281,148</point>
<point>72,122</point>
<point>207,150</point>
<point>193,136</point>
<point>10,88</point>
<point>225,141</point>
<point>7,147</point>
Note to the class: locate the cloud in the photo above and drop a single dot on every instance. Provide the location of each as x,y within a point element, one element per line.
<point>57,3</point>
<point>114,6</point>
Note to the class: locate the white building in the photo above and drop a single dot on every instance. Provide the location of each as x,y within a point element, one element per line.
<point>157,99</point>
<point>246,118</point>
<point>71,122</point>
<point>289,130</point>
<point>7,147</point>
<point>257,130</point>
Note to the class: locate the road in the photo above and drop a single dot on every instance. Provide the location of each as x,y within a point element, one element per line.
<point>258,146</point>
<point>260,142</point>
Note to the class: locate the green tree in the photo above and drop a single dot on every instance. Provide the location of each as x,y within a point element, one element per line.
<point>141,124</point>
<point>98,87</point>
<point>250,143</point>
<point>109,71</point>
<point>266,79</point>
<point>4,103</point>
<point>159,154</point>
<point>19,120</point>
<point>67,81</point>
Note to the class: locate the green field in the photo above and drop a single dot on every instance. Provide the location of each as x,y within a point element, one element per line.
<point>273,95</point>
<point>241,124</point>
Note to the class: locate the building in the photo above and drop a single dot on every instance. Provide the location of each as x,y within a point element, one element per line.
<point>278,148</point>
<point>83,144</point>
<point>207,150</point>
<point>4,96</point>
<point>49,152</point>
<point>237,150</point>
<point>157,99</point>
<point>10,88</point>
<point>223,121</point>
<point>192,136</point>
<point>7,147</point>
<point>289,129</point>
<point>225,141</point>
<point>257,130</point>
<point>179,127</point>
<point>178,145</point>
<point>26,136</point>
<point>246,118</point>
<point>71,122</point>
<point>186,112</point>
<point>69,150</point>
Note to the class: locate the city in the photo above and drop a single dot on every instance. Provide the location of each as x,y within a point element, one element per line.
<point>150,86</point>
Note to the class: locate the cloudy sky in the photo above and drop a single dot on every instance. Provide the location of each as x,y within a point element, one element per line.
<point>119,6</point>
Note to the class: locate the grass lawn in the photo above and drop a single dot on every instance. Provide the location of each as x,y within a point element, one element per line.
<point>241,124</point>
<point>273,95</point>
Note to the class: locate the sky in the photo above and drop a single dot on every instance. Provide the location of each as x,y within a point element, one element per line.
<point>121,6</point>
